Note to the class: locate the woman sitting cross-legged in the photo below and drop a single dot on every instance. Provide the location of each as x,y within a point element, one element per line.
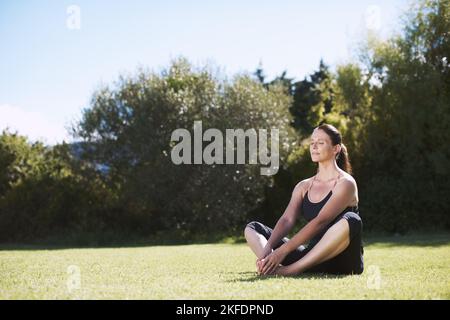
<point>329,202</point>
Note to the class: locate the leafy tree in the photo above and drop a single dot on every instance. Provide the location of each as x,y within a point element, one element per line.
<point>130,127</point>
<point>44,196</point>
<point>312,99</point>
<point>406,159</point>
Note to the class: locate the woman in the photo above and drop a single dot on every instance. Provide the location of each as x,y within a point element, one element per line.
<point>329,202</point>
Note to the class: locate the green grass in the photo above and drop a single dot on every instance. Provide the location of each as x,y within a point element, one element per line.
<point>412,267</point>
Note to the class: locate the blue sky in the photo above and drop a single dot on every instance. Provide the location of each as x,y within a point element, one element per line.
<point>49,70</point>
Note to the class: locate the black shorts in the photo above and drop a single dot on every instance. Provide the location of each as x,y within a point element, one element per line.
<point>349,261</point>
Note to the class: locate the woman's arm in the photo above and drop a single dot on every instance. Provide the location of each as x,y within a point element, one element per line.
<point>287,220</point>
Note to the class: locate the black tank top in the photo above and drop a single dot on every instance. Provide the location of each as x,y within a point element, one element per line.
<point>310,210</point>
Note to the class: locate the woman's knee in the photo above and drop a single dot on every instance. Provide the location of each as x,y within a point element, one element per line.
<point>354,222</point>
<point>250,227</point>
<point>257,227</point>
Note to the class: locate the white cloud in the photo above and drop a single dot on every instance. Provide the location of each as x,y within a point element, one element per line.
<point>33,124</point>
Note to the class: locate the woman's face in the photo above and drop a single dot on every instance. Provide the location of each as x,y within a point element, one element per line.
<point>320,146</point>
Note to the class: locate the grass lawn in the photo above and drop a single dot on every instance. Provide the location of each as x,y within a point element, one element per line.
<point>409,267</point>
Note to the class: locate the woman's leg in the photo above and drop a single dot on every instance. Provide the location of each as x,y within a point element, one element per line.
<point>333,242</point>
<point>257,235</point>
<point>256,241</point>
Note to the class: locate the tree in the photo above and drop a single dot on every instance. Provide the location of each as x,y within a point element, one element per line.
<point>406,157</point>
<point>130,127</point>
<point>312,100</point>
<point>44,196</point>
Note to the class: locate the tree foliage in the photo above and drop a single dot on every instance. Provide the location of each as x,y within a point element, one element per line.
<point>130,128</point>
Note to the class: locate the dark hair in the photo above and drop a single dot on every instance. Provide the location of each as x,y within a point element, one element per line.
<point>342,159</point>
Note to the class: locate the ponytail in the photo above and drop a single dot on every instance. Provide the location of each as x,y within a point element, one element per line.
<point>343,161</point>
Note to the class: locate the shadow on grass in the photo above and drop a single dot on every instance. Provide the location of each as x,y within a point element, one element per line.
<point>416,240</point>
<point>254,277</point>
<point>92,241</point>
<point>409,240</point>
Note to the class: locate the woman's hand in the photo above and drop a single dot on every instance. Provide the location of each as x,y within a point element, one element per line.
<point>266,251</point>
<point>280,270</point>
<point>283,271</point>
<point>272,261</point>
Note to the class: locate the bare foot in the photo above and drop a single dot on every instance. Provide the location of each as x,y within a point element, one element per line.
<point>259,264</point>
